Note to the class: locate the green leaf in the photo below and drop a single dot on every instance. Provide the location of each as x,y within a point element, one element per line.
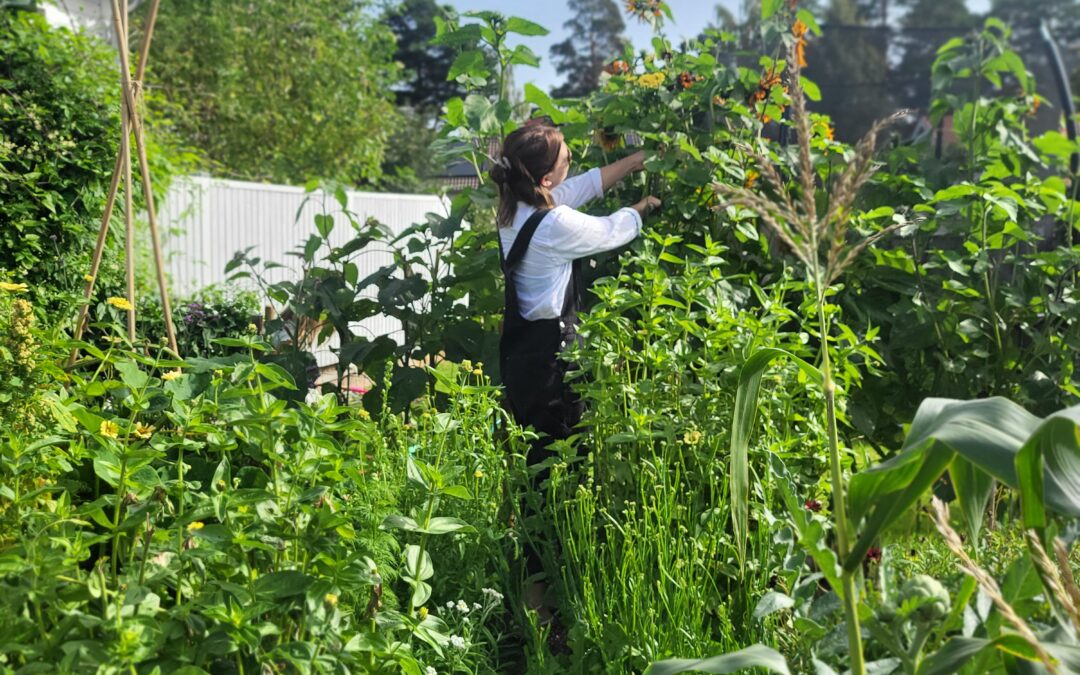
<point>324,223</point>
<point>807,17</point>
<point>446,525</point>
<point>400,523</point>
<point>810,88</point>
<point>418,563</point>
<point>523,56</point>
<point>997,437</point>
<point>524,27</point>
<point>742,423</point>
<point>769,7</point>
<point>955,653</point>
<point>543,102</point>
<point>757,656</point>
<point>470,62</point>
<point>772,602</point>
<point>131,375</point>
<point>973,489</point>
<point>278,585</point>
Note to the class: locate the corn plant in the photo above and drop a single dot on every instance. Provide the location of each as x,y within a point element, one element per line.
<point>822,240</point>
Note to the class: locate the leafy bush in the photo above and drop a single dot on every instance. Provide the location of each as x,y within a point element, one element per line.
<point>178,515</point>
<point>200,319</point>
<point>59,122</point>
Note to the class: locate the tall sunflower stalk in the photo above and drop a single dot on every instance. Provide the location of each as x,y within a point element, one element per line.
<point>824,241</point>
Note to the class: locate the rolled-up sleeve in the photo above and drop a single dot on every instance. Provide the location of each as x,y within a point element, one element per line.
<point>577,191</point>
<point>576,235</point>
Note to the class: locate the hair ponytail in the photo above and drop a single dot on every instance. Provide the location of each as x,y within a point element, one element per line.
<point>528,154</point>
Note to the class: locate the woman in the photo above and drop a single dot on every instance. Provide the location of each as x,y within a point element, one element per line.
<point>543,239</point>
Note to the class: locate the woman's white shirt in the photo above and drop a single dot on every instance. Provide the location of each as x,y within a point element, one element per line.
<point>564,235</point>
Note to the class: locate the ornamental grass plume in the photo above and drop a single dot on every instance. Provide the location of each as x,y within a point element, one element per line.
<point>939,511</point>
<point>821,241</point>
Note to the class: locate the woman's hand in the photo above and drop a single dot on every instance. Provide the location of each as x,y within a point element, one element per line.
<point>616,171</point>
<point>646,205</point>
<point>636,161</point>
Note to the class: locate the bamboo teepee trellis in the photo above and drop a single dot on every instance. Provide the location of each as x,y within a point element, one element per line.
<point>131,125</point>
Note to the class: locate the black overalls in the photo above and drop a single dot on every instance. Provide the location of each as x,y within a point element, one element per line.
<point>532,371</point>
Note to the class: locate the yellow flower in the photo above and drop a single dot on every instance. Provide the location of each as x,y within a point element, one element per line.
<point>478,371</point>
<point>331,599</point>
<point>143,430</point>
<point>109,429</point>
<point>171,375</point>
<point>252,328</point>
<point>13,288</point>
<point>364,414</point>
<point>651,80</point>
<point>423,613</point>
<point>120,303</point>
<point>692,437</point>
<point>89,278</point>
<point>751,178</point>
<point>478,474</point>
<point>197,525</point>
<point>466,365</point>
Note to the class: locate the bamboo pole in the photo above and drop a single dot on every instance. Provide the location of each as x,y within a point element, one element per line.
<point>110,201</point>
<point>148,192</point>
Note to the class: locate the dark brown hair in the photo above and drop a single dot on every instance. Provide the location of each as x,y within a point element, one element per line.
<point>528,154</point>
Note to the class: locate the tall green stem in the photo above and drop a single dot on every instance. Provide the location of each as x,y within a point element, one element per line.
<point>839,505</point>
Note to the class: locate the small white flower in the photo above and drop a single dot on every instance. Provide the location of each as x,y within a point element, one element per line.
<point>430,671</point>
<point>457,642</point>
<point>493,594</point>
<point>449,604</point>
<point>477,606</point>
<point>462,606</point>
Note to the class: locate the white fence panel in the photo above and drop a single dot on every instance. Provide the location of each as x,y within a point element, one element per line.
<point>208,220</point>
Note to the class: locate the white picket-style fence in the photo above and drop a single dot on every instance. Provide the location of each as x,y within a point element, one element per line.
<point>207,220</point>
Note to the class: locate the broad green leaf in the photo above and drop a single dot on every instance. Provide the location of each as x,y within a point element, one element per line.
<point>987,433</point>
<point>523,27</point>
<point>445,525</point>
<point>770,7</point>
<point>278,585</point>
<point>418,563</point>
<point>131,375</point>
<point>470,62</point>
<point>757,656</point>
<point>772,602</point>
<point>955,653</point>
<point>742,423</point>
<point>973,489</point>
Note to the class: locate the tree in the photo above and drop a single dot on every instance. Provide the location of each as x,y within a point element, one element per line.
<point>424,85</point>
<point>595,39</point>
<point>276,90</point>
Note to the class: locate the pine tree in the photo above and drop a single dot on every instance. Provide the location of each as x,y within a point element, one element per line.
<point>595,40</point>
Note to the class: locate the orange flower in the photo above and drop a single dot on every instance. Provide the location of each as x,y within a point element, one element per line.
<point>799,31</point>
<point>830,133</point>
<point>617,67</point>
<point>1035,105</point>
<point>686,80</point>
<point>751,178</point>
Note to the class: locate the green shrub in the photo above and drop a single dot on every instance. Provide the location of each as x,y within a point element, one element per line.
<point>59,134</point>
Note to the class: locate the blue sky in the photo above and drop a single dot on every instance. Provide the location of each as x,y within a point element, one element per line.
<point>690,16</point>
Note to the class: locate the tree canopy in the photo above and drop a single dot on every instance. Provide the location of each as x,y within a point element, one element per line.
<point>276,90</point>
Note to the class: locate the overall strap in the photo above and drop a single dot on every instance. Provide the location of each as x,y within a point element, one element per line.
<point>522,241</point>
